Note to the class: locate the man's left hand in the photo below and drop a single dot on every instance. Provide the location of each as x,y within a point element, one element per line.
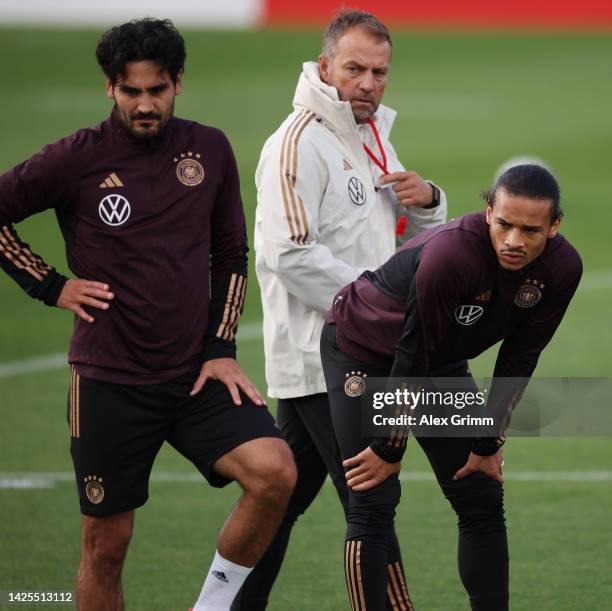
<point>370,470</point>
<point>228,371</point>
<point>410,188</point>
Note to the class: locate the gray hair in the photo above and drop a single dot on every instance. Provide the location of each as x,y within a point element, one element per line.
<point>346,20</point>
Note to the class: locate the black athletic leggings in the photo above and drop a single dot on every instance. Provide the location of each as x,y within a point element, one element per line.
<point>306,425</point>
<point>477,500</point>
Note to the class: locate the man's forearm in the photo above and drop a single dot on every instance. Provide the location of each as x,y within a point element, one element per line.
<point>28,270</point>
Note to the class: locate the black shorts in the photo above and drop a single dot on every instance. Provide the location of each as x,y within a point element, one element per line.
<point>117,430</point>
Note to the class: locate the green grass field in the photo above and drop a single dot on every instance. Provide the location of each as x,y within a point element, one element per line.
<point>466,103</point>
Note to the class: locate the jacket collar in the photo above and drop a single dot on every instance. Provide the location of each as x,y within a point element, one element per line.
<point>313,94</point>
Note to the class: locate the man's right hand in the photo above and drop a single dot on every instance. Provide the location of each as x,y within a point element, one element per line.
<point>410,189</point>
<point>77,293</point>
<point>368,470</point>
<point>489,465</point>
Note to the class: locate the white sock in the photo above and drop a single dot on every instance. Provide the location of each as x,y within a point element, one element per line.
<point>222,583</point>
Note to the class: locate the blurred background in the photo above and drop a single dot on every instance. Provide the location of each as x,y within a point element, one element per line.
<point>474,83</point>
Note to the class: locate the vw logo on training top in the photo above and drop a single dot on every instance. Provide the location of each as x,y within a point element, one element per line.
<point>356,191</point>
<point>468,314</point>
<point>114,210</point>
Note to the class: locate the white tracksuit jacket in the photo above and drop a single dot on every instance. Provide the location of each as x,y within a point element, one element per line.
<point>320,223</point>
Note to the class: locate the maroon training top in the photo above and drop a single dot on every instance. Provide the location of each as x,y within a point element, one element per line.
<point>443,297</point>
<point>161,222</point>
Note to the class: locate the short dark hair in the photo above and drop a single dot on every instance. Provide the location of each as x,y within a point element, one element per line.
<point>346,20</point>
<point>141,39</point>
<point>528,180</point>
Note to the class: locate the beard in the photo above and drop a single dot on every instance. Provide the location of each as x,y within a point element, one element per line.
<point>154,127</point>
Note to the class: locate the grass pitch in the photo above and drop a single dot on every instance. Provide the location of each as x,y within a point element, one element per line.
<point>466,103</point>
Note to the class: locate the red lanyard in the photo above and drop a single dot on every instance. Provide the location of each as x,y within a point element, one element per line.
<point>381,164</point>
<point>400,228</point>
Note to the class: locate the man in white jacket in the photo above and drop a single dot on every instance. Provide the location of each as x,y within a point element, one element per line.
<point>332,195</point>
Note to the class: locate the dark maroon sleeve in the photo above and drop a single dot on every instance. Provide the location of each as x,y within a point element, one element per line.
<point>519,353</point>
<point>40,183</point>
<point>228,265</point>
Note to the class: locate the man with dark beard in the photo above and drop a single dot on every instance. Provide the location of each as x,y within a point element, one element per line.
<point>149,206</point>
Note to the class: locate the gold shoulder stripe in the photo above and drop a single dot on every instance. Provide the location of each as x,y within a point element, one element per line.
<point>302,239</point>
<point>288,191</point>
<point>294,207</point>
<point>288,215</point>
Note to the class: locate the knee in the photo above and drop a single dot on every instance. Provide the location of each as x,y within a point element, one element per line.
<point>273,481</point>
<point>105,544</point>
<point>375,508</point>
<point>283,479</point>
<point>276,485</point>
<point>479,509</point>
